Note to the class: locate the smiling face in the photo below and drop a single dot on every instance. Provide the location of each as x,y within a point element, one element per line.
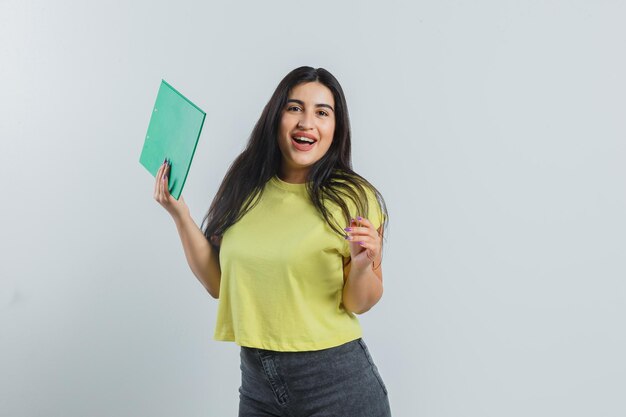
<point>306,129</point>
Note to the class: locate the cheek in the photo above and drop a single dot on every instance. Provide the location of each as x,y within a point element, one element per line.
<point>283,128</point>
<point>329,131</point>
<point>286,124</point>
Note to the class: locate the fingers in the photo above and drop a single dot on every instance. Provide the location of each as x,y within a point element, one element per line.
<point>360,222</point>
<point>361,231</point>
<point>157,181</point>
<point>365,236</point>
<point>165,181</point>
<point>357,237</point>
<point>161,190</point>
<point>364,222</point>
<point>367,228</point>
<point>365,241</point>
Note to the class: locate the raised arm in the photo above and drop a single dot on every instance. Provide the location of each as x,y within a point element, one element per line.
<point>203,259</point>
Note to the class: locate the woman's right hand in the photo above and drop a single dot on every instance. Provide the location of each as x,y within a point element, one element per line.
<point>176,208</point>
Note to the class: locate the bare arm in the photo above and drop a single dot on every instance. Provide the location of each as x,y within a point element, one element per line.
<point>362,289</point>
<point>363,276</point>
<point>203,259</point>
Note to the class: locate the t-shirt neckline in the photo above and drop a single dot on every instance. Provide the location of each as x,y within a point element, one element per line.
<point>288,186</point>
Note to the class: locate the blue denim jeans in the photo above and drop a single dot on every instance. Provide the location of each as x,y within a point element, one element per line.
<point>341,381</point>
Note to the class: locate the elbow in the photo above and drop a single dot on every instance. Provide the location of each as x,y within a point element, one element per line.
<point>211,283</point>
<point>213,290</point>
<point>363,310</point>
<point>367,306</point>
<point>215,294</point>
<point>357,309</point>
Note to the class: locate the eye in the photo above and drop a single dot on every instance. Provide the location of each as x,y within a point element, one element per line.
<point>323,113</point>
<point>293,108</point>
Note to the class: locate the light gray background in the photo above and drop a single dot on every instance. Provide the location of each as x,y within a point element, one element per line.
<point>494,129</point>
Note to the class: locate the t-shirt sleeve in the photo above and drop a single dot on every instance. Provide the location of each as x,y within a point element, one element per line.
<point>375,216</point>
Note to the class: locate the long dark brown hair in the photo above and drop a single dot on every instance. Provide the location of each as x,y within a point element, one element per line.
<point>331,179</point>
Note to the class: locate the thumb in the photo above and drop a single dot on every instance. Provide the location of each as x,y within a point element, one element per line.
<point>182,203</point>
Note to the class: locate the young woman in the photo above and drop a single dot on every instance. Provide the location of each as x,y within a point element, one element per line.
<point>292,247</point>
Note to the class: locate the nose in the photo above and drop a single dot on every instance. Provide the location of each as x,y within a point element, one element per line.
<point>306,120</point>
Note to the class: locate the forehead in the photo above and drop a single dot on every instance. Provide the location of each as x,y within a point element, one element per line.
<point>312,92</point>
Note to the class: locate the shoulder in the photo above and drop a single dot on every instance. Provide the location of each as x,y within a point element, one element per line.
<point>361,197</point>
<point>375,213</point>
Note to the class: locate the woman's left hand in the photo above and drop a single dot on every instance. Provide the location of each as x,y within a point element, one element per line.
<point>365,243</point>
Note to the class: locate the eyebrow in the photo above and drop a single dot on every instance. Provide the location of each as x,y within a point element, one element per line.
<point>300,102</point>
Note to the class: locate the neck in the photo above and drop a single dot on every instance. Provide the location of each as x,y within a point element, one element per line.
<point>293,176</point>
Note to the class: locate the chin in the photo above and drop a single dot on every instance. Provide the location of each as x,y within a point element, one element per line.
<point>300,163</point>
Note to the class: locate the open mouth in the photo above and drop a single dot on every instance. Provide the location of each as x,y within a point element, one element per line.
<point>303,143</point>
<point>303,140</point>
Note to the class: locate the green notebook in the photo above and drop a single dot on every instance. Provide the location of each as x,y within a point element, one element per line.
<point>173,133</point>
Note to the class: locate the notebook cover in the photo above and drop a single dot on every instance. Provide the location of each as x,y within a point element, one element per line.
<point>173,133</point>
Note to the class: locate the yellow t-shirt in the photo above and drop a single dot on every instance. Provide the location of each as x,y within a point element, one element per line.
<point>282,275</point>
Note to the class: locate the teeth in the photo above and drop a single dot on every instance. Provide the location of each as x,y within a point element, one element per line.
<point>302,138</point>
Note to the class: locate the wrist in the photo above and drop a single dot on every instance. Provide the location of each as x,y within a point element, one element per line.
<point>360,270</point>
<point>181,218</point>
